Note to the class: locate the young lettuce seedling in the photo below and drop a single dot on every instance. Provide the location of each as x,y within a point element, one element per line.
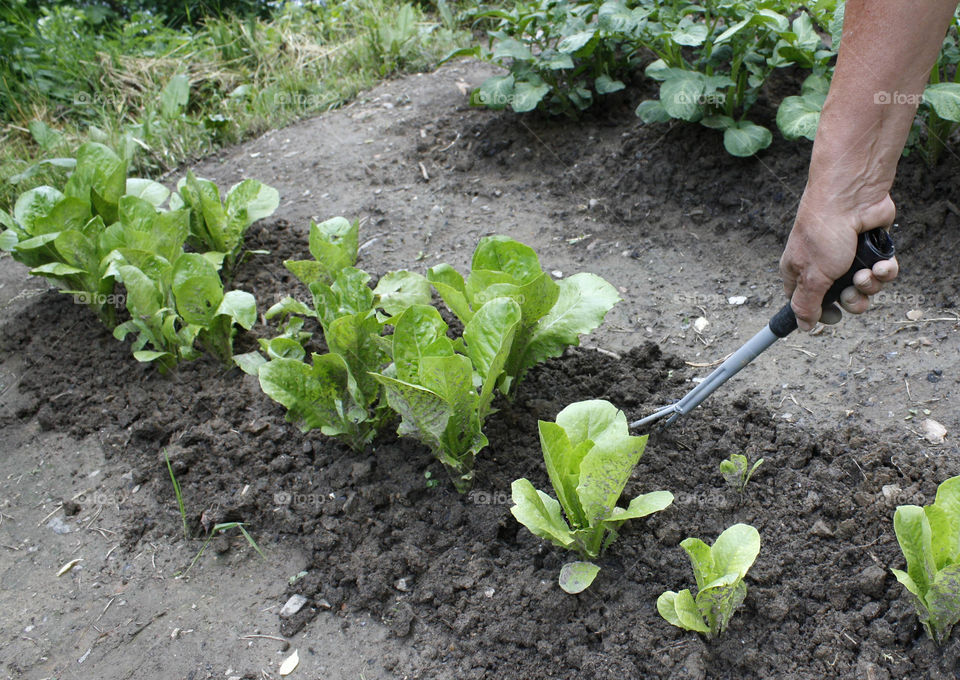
<point>553,313</point>
<point>434,388</point>
<point>719,571</point>
<point>736,470</point>
<point>929,537</point>
<point>589,454</point>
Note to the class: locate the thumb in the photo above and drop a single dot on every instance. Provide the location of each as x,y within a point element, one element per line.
<point>808,298</point>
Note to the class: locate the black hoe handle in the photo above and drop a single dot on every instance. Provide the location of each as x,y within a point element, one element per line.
<point>872,247</point>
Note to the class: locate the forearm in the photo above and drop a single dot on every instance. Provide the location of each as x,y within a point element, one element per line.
<point>887,51</point>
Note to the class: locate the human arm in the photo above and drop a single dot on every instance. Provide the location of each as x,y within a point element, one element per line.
<point>886,54</point>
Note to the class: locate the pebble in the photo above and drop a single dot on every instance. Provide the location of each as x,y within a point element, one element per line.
<point>873,580</point>
<point>293,605</point>
<point>403,584</point>
<point>821,529</point>
<point>58,526</point>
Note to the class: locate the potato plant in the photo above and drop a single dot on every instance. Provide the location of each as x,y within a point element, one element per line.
<point>929,538</point>
<point>719,571</point>
<point>589,454</point>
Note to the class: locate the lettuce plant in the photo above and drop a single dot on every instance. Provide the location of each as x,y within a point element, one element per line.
<point>220,227</point>
<point>589,454</point>
<point>337,392</point>
<point>719,570</point>
<point>929,537</point>
<point>62,235</point>
<point>435,389</point>
<point>553,313</point>
<point>737,471</point>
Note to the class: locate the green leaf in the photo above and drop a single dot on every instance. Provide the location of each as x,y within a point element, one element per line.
<point>8,239</point>
<point>604,84</point>
<point>643,505</point>
<point>240,306</point>
<point>489,337</point>
<point>735,550</point>
<point>419,332</point>
<point>539,513</point>
<point>583,301</point>
<point>248,202</point>
<point>150,191</point>
<point>527,94</point>
<point>33,205</point>
<point>944,99</point>
<point>511,48</point>
<point>313,395</point>
<point>44,135</point>
<point>652,111</point>
<point>745,138</point>
<point>562,460</point>
<point>681,610</point>
<point>680,95</point>
<point>575,577</point>
<point>573,43</point>
<point>799,116</point>
<point>701,559</point>
<point>914,536</point>
<point>174,96</point>
<point>249,362</point>
<point>334,244</point>
<point>396,291</point>
<point>689,33</point>
<point>197,289</point>
<point>495,92</point>
<point>55,269</point>
<point>452,290</point>
<point>943,601</point>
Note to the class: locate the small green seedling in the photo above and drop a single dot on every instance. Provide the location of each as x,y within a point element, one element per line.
<point>179,494</point>
<point>219,529</point>
<point>929,537</point>
<point>738,471</point>
<point>719,571</point>
<point>589,454</point>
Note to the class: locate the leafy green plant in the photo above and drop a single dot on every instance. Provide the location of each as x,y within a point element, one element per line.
<point>719,571</point>
<point>220,227</point>
<point>929,537</point>
<point>63,235</point>
<point>434,388</point>
<point>714,57</point>
<point>561,54</point>
<point>589,454</point>
<point>553,313</point>
<point>737,471</point>
<point>336,392</point>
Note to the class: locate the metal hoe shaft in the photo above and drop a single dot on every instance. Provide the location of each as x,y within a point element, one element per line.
<point>734,363</point>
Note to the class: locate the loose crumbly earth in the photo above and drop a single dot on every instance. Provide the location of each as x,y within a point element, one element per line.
<point>408,580</point>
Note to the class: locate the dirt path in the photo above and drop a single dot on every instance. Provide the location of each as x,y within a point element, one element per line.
<point>676,225</point>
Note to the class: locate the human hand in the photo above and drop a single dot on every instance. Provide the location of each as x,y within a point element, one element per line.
<point>821,249</point>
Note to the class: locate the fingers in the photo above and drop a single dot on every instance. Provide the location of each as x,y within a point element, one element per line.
<point>807,297</point>
<point>852,300</point>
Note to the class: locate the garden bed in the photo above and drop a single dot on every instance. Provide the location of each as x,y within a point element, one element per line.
<point>456,577</point>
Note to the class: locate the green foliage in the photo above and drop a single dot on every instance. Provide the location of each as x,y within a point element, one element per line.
<point>561,54</point>
<point>589,454</point>
<point>719,571</point>
<point>434,387</point>
<point>715,58</point>
<point>337,392</point>
<point>737,471</point>
<point>217,226</point>
<point>106,229</point>
<point>553,313</point>
<point>929,537</point>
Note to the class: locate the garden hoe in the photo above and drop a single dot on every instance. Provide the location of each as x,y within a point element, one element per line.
<point>872,247</point>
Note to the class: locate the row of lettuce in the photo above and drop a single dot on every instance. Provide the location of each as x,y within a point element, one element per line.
<point>106,237</point>
<point>711,59</point>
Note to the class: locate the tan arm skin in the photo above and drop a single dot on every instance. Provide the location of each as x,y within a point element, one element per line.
<point>888,46</point>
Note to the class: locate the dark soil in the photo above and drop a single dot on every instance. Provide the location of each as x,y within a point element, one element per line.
<point>456,576</point>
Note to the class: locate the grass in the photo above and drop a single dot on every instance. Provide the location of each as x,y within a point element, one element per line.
<point>181,94</point>
<point>178,494</point>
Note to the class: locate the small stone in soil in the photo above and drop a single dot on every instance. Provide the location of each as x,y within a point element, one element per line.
<point>293,605</point>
